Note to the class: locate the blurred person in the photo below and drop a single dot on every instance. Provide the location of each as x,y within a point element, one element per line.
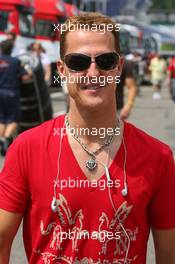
<point>128,81</point>
<point>142,66</point>
<point>40,51</point>
<point>158,68</point>
<point>39,160</point>
<point>18,48</point>
<point>139,67</point>
<point>11,72</point>
<point>171,77</point>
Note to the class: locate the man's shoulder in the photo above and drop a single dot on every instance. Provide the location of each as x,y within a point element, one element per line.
<point>43,132</point>
<point>32,144</point>
<point>144,143</point>
<point>9,58</point>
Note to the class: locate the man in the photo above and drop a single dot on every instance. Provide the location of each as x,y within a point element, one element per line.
<point>18,48</point>
<point>37,48</point>
<point>128,80</point>
<point>11,72</point>
<point>158,69</point>
<point>171,77</point>
<point>55,180</point>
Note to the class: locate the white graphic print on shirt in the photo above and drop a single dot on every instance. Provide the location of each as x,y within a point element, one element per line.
<point>75,224</point>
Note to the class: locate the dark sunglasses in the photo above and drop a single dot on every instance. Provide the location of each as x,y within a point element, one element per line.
<point>81,62</point>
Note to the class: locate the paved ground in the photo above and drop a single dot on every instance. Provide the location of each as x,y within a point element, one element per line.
<point>155,117</point>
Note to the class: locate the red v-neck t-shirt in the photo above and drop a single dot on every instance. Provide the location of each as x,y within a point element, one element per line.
<point>85,228</point>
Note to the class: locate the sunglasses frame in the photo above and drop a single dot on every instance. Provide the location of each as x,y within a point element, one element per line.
<point>92,61</point>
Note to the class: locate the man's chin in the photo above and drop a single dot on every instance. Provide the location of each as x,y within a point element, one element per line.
<point>89,103</point>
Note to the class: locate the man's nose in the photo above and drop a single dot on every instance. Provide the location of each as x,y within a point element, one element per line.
<point>93,69</point>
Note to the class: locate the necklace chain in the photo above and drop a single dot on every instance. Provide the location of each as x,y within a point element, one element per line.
<point>91,163</point>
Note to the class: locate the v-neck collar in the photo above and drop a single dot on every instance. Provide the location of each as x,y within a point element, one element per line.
<point>119,156</point>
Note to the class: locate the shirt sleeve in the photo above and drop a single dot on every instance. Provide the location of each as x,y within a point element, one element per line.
<point>14,191</point>
<point>170,67</point>
<point>162,209</point>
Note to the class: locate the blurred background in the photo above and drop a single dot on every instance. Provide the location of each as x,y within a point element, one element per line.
<point>147,39</point>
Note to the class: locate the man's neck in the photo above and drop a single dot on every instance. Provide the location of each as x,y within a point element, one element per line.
<point>105,117</point>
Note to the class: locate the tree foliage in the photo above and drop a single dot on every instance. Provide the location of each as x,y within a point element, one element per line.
<point>167,5</point>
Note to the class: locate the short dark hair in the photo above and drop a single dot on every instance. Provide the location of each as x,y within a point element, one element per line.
<point>6,46</point>
<point>87,19</point>
<point>12,35</point>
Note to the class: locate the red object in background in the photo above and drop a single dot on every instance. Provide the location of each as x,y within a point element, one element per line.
<point>13,20</point>
<point>49,7</point>
<point>16,17</point>
<point>171,67</point>
<point>26,3</point>
<point>71,10</point>
<point>50,13</point>
<point>10,12</point>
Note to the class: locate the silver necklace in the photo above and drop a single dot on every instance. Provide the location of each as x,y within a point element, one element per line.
<point>91,163</point>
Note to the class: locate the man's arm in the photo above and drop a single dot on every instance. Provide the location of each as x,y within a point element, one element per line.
<point>132,89</point>
<point>164,241</point>
<point>28,74</point>
<point>48,73</point>
<point>9,223</point>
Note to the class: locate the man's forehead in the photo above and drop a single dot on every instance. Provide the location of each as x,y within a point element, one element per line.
<point>77,39</point>
<point>85,34</point>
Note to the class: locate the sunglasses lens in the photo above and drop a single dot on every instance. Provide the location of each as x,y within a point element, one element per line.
<point>77,62</point>
<point>107,61</point>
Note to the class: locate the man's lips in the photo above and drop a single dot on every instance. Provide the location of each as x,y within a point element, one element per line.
<point>92,86</point>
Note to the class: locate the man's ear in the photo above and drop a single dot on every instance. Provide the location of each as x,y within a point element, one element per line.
<point>61,69</point>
